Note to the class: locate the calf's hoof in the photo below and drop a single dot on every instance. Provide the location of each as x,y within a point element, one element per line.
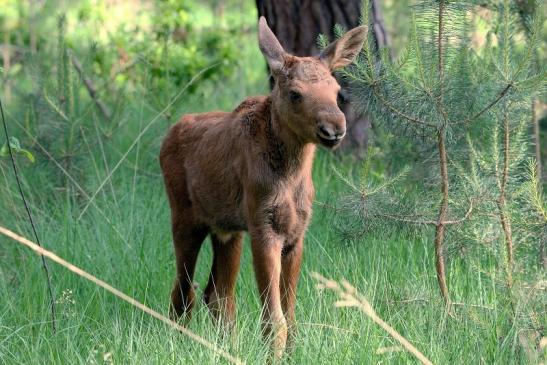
<point>181,304</point>
<point>277,333</point>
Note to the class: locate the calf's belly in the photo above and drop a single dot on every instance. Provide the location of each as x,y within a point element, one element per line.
<point>221,210</point>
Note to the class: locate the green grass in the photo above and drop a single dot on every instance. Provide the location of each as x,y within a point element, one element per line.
<point>393,269</point>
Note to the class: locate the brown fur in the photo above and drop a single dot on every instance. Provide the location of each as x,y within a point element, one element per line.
<point>250,170</point>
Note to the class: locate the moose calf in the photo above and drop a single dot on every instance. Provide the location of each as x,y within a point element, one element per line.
<point>250,170</point>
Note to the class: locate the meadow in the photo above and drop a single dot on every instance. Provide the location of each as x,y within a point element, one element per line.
<point>391,268</point>
<point>109,215</point>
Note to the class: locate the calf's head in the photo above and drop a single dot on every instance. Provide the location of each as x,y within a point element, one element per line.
<point>305,91</point>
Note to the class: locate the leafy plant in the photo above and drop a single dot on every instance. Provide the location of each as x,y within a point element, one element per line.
<point>16,149</point>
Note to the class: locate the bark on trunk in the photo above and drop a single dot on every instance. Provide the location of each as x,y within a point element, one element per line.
<point>298,23</point>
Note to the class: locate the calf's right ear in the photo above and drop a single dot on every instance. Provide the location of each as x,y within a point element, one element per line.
<point>342,52</point>
<point>270,46</point>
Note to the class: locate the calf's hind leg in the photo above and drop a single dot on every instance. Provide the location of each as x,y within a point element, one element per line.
<point>219,294</point>
<point>188,234</point>
<point>187,240</point>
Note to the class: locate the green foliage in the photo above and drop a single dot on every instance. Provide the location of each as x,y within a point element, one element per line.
<point>125,50</point>
<point>176,52</point>
<point>371,198</point>
<point>164,41</point>
<point>532,192</point>
<point>478,88</point>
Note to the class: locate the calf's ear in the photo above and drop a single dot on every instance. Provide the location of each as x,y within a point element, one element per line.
<point>270,46</point>
<point>342,52</point>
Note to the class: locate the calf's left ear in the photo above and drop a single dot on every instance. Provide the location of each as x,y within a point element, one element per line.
<point>270,46</point>
<point>342,52</point>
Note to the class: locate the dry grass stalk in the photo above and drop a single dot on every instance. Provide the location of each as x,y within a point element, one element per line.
<point>349,297</point>
<point>387,350</point>
<point>119,294</point>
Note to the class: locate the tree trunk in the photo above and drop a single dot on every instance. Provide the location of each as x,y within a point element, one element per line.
<point>298,23</point>
<point>381,37</point>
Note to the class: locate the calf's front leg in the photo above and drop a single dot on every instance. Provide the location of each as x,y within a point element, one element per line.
<point>291,259</point>
<point>266,248</point>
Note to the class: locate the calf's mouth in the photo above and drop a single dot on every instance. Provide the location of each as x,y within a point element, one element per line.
<point>329,142</point>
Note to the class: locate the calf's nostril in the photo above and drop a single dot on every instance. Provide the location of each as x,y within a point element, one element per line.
<point>324,131</point>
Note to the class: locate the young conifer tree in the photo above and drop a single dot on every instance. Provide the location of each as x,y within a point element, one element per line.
<point>499,160</point>
<point>443,90</point>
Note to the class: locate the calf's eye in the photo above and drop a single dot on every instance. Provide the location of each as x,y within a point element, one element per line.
<point>295,96</point>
